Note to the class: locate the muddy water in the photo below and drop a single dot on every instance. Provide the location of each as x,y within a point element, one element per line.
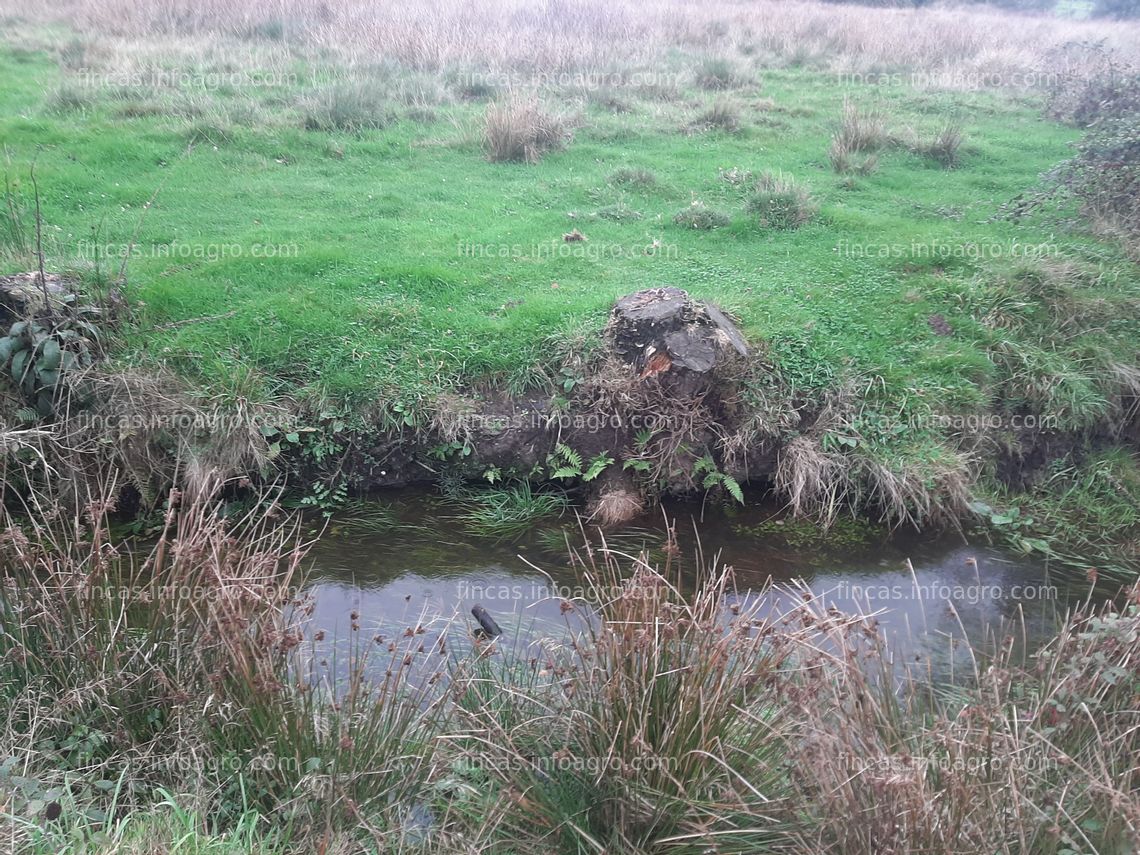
<point>413,564</point>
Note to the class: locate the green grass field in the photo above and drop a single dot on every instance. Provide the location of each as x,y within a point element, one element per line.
<point>337,237</point>
<point>404,263</point>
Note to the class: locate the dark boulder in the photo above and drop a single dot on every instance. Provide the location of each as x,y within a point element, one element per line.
<point>663,331</point>
<point>22,295</point>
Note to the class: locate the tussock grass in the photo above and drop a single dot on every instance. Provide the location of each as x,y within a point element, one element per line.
<point>646,731</point>
<point>722,115</point>
<point>718,73</point>
<point>69,99</point>
<point>779,202</point>
<point>181,668</point>
<point>520,128</point>
<point>619,212</point>
<point>505,513</point>
<point>944,147</point>
<point>982,766</point>
<point>673,712</point>
<point>862,130</point>
<point>769,732</point>
<point>641,179</point>
<point>860,136</point>
<point>349,107</point>
<point>615,506</point>
<point>701,217</point>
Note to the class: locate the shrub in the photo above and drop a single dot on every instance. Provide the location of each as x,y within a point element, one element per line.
<point>699,216</point>
<point>1093,85</point>
<point>520,129</point>
<point>1105,174</point>
<point>780,203</point>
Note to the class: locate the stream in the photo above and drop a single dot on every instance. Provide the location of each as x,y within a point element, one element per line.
<point>408,562</point>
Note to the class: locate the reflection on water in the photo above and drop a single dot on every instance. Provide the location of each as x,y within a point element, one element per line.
<point>419,568</point>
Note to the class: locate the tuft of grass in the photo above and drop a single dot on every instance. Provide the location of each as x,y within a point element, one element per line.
<point>520,128</point>
<point>181,668</point>
<point>701,217</point>
<point>641,179</point>
<point>945,144</point>
<point>618,213</point>
<point>717,74</point>
<point>610,100</point>
<point>721,115</point>
<point>861,134</point>
<point>68,98</point>
<point>674,715</point>
<point>506,513</point>
<point>780,203</point>
<point>844,161</point>
<point>723,722</point>
<point>349,107</point>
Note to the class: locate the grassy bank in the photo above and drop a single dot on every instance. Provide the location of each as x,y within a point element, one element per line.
<point>391,235</point>
<point>352,233</point>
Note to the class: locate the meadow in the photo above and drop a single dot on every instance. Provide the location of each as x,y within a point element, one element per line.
<point>364,220</point>
<point>301,241</point>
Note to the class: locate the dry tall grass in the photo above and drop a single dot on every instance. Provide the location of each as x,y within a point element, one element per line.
<point>519,128</point>
<point>946,46</point>
<point>676,715</point>
<point>688,719</point>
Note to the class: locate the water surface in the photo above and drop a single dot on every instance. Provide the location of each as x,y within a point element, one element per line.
<point>415,566</point>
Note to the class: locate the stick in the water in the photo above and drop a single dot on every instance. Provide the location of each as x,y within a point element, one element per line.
<point>486,621</point>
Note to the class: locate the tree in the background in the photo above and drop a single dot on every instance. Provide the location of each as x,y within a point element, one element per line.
<point>1117,9</point>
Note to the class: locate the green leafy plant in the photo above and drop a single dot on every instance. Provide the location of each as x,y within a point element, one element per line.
<point>566,463</point>
<point>38,353</point>
<point>504,513</point>
<point>709,476</point>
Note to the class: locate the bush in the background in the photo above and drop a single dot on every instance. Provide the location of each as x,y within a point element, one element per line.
<point>1116,9</point>
<point>1102,95</point>
<point>1105,174</point>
